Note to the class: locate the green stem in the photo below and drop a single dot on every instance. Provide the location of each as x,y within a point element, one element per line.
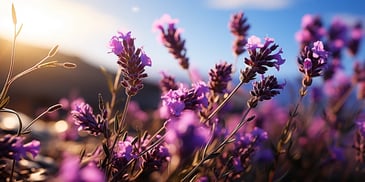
<point>121,127</point>
<point>220,106</point>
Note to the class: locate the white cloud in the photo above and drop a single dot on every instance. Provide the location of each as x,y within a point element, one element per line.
<point>257,4</point>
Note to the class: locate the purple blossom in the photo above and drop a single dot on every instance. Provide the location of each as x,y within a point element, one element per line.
<point>72,171</point>
<point>87,121</point>
<point>361,127</point>
<point>115,45</point>
<point>220,77</point>
<point>312,62</point>
<point>186,134</point>
<point>175,101</point>
<point>68,105</point>
<point>262,56</point>
<point>146,61</point>
<point>13,147</point>
<point>312,30</point>
<point>132,62</point>
<point>167,83</point>
<point>337,37</point>
<point>239,27</point>
<point>355,38</point>
<point>265,89</point>
<point>171,39</point>
<point>125,150</point>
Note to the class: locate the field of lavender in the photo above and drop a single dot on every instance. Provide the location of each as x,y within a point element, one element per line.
<point>206,130</point>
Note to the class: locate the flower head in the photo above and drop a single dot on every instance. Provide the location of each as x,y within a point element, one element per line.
<point>312,30</point>
<point>312,61</point>
<point>167,83</point>
<point>265,89</point>
<point>13,147</point>
<point>355,39</point>
<point>262,56</point>
<point>175,101</point>
<point>171,39</point>
<point>186,134</point>
<point>239,27</point>
<point>132,62</point>
<point>87,121</point>
<point>337,37</point>
<point>219,77</point>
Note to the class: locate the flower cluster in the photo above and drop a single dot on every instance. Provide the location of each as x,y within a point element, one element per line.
<point>261,56</point>
<point>186,134</point>
<point>312,30</point>
<point>13,147</point>
<point>215,129</point>
<point>175,101</point>
<point>171,39</point>
<point>220,76</point>
<point>312,61</point>
<point>265,89</point>
<point>239,27</point>
<point>132,62</point>
<point>87,121</point>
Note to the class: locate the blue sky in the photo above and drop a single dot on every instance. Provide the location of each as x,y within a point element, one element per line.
<point>84,27</point>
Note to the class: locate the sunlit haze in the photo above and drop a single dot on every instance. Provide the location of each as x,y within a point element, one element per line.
<point>84,28</point>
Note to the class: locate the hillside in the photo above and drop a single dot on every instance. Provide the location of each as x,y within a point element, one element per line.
<point>46,86</point>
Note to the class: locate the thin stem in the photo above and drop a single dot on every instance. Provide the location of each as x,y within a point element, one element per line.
<point>11,67</point>
<point>242,122</point>
<point>115,89</point>
<point>220,106</point>
<point>121,127</point>
<point>18,117</point>
<point>27,71</point>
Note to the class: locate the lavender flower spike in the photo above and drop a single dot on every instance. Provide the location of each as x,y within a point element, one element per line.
<point>239,27</point>
<point>219,77</point>
<point>265,89</point>
<point>132,62</point>
<point>262,56</point>
<point>87,121</point>
<point>13,147</point>
<point>175,101</point>
<point>171,39</point>
<point>312,61</point>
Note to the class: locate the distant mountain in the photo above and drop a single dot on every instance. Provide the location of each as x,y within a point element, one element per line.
<point>46,86</point>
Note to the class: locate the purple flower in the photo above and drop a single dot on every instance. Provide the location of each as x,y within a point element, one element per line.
<point>125,150</point>
<point>186,134</point>
<point>132,62</point>
<point>361,127</point>
<point>312,30</point>
<point>220,77</point>
<point>262,56</point>
<point>337,37</point>
<point>87,121</point>
<point>239,27</point>
<point>265,89</point>
<point>13,147</point>
<point>72,171</point>
<point>175,101</point>
<point>146,61</point>
<point>170,38</point>
<point>311,62</point>
<point>355,39</point>
<point>115,45</point>
<point>167,83</point>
